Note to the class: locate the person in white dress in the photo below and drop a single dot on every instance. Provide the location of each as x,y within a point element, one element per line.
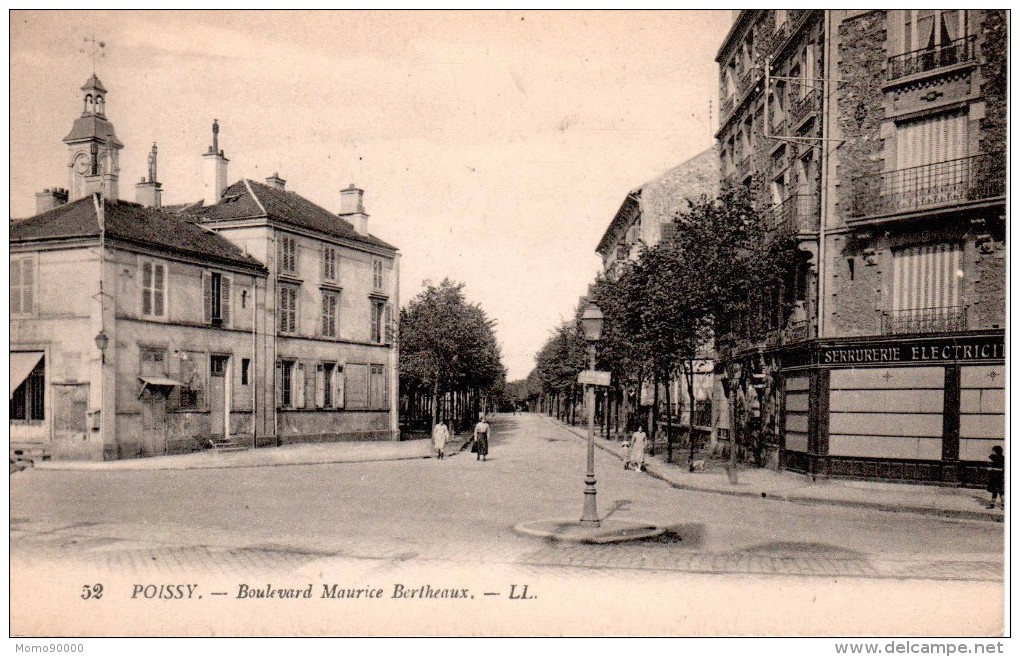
<point>440,434</point>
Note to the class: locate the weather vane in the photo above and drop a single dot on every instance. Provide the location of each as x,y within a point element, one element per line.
<point>95,49</point>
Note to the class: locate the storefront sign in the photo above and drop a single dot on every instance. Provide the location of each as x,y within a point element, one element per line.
<point>917,350</point>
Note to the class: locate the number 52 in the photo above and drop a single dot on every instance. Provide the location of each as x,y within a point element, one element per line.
<point>91,592</point>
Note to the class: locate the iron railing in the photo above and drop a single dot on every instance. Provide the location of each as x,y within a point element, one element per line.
<point>796,214</point>
<point>802,106</point>
<point>744,166</point>
<point>746,81</point>
<point>925,320</point>
<point>930,185</point>
<point>726,106</point>
<point>928,59</point>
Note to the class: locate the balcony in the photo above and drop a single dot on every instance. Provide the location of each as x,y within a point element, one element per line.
<point>928,186</point>
<point>797,214</point>
<point>743,167</point>
<point>726,106</point>
<point>802,107</point>
<point>928,59</point>
<point>925,320</point>
<point>746,81</point>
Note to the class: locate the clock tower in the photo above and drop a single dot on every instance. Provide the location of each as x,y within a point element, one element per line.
<point>93,147</point>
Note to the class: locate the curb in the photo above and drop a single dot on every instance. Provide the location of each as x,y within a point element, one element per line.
<point>652,469</point>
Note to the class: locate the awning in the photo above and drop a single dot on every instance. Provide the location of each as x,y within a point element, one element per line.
<point>22,364</point>
<point>157,381</point>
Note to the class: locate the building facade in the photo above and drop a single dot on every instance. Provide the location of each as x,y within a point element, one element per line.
<point>250,318</point>
<point>644,218</point>
<point>879,136</point>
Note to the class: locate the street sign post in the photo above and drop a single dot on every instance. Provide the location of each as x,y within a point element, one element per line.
<point>594,378</point>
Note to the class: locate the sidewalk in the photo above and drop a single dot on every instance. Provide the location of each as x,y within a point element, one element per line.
<point>963,503</point>
<point>302,454</point>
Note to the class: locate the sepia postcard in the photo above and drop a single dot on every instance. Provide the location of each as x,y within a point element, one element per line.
<point>509,324</point>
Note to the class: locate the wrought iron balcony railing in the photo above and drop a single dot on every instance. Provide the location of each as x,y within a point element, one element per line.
<point>726,106</point>
<point>743,166</point>
<point>746,81</point>
<point>802,106</point>
<point>930,185</point>
<point>925,320</point>
<point>929,59</point>
<point>799,213</point>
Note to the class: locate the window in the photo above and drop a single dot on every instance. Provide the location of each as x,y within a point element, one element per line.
<point>245,371</point>
<point>329,313</point>
<point>327,385</point>
<point>932,28</point>
<point>288,254</point>
<point>927,277</point>
<point>377,383</point>
<point>286,376</point>
<point>290,384</point>
<point>329,392</point>
<point>216,298</point>
<point>381,320</point>
<point>218,365</point>
<point>152,361</point>
<point>23,285</point>
<point>931,139</point>
<point>329,259</point>
<point>28,400</point>
<point>153,289</point>
<point>288,310</point>
<point>377,274</point>
<point>191,394</point>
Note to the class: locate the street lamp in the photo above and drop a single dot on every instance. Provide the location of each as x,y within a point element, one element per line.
<point>591,322</point>
<point>102,341</point>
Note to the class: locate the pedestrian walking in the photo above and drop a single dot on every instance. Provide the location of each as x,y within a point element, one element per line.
<point>636,451</point>
<point>996,477</point>
<point>481,438</point>
<point>440,434</point>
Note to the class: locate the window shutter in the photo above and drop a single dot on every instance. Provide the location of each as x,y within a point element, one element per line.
<point>293,311</point>
<point>225,300</point>
<point>387,329</point>
<point>206,297</point>
<point>298,391</point>
<point>15,286</point>
<point>28,285</point>
<point>147,288</point>
<point>279,383</point>
<point>158,290</point>
<point>325,314</point>
<point>320,387</point>
<point>338,381</point>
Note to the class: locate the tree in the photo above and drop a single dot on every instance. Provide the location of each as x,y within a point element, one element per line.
<point>448,346</point>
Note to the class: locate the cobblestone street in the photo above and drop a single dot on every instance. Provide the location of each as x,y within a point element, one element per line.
<point>453,521</point>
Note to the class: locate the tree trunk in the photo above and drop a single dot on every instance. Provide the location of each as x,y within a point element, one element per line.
<point>653,414</point>
<point>689,376</point>
<point>669,421</point>
<point>435,402</point>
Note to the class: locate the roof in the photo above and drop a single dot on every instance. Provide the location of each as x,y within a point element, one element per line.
<point>133,223</point>
<point>91,126</point>
<point>247,199</point>
<point>663,197</point>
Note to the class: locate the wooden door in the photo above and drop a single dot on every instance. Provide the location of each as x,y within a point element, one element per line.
<point>154,420</point>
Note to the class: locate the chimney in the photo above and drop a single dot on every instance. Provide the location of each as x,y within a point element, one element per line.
<point>48,199</point>
<point>352,208</point>
<point>150,192</point>
<point>214,179</point>
<point>276,182</point>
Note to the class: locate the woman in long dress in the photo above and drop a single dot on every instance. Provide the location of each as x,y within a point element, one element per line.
<point>636,454</point>
<point>440,434</point>
<point>481,438</point>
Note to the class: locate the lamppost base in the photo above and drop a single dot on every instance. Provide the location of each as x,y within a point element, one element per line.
<point>579,531</point>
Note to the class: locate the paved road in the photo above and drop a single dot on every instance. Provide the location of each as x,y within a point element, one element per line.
<point>452,521</point>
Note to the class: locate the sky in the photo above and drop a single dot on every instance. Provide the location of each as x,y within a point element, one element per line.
<point>494,148</point>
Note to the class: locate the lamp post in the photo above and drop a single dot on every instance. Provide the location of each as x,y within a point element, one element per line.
<point>591,322</point>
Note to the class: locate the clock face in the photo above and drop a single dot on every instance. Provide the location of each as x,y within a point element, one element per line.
<point>81,164</point>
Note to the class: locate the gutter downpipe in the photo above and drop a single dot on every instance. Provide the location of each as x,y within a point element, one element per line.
<point>100,204</point>
<point>823,215</point>
<point>254,362</point>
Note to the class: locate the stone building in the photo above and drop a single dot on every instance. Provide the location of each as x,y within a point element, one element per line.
<point>879,137</point>
<point>250,318</point>
<point>644,218</point>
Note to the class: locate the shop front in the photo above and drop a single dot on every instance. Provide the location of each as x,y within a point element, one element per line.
<point>917,409</point>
